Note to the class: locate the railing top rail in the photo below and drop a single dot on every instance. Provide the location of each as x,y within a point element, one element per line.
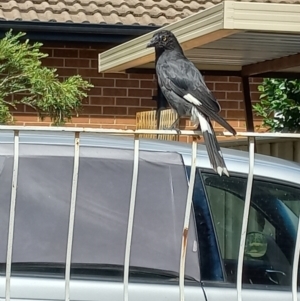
<point>140,131</point>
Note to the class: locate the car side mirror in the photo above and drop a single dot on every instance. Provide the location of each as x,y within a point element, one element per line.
<point>256,245</point>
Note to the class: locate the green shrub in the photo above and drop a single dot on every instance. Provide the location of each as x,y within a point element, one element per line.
<point>279,105</point>
<point>22,74</point>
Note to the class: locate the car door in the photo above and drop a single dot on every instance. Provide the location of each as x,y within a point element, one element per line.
<point>271,236</point>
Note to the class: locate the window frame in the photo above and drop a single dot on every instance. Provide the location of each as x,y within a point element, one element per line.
<point>224,283</point>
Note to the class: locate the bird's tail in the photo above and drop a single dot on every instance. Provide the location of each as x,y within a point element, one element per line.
<point>213,149</point>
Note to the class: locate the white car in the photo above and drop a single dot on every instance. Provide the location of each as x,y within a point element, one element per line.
<point>101,217</point>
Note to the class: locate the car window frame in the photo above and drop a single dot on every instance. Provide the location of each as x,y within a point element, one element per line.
<point>224,284</point>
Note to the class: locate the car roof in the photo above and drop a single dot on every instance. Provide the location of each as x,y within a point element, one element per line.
<point>236,161</point>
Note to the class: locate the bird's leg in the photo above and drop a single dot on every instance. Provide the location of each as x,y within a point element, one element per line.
<point>198,128</point>
<point>173,126</point>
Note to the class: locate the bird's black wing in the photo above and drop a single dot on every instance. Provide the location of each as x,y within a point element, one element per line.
<point>184,78</point>
<point>181,76</point>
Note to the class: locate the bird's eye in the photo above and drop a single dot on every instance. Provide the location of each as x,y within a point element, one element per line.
<point>164,38</point>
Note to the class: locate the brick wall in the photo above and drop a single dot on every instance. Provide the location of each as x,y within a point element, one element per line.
<point>116,98</point>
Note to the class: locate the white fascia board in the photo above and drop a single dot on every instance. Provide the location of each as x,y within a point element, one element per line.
<point>217,22</point>
<point>266,17</point>
<point>135,53</point>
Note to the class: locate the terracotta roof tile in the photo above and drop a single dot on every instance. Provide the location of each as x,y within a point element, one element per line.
<point>142,12</point>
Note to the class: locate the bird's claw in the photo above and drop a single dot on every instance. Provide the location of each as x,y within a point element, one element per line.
<point>172,128</point>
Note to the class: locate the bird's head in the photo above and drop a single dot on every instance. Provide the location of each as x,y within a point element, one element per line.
<point>163,39</point>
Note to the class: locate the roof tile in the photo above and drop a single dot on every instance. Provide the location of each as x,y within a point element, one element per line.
<point>142,12</point>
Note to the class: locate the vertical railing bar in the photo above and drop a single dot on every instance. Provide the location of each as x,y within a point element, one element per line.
<point>295,264</point>
<point>72,216</point>
<point>187,218</point>
<point>12,214</point>
<point>131,214</point>
<point>245,218</point>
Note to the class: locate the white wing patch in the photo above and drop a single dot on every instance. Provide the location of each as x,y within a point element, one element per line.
<point>190,98</point>
<point>205,126</point>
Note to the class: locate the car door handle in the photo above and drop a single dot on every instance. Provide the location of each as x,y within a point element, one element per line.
<point>270,272</point>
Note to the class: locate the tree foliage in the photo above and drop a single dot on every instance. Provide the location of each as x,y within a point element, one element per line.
<point>23,80</point>
<point>279,104</point>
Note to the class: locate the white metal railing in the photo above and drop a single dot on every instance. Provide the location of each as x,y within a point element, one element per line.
<point>135,133</point>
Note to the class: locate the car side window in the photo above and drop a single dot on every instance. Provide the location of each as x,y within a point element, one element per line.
<point>271,232</point>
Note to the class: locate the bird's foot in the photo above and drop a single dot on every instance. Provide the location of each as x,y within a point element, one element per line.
<point>171,128</point>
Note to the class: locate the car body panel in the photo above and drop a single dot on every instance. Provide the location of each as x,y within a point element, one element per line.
<point>37,288</point>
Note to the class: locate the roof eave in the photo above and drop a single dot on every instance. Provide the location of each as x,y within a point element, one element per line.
<point>212,24</point>
<point>76,32</point>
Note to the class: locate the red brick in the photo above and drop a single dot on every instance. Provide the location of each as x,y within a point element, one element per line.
<point>133,111</point>
<point>66,71</point>
<point>54,44</point>
<point>255,96</point>
<point>102,120</point>
<point>219,95</point>
<point>93,110</point>
<point>85,101</point>
<point>94,64</point>
<point>140,92</point>
<point>233,123</point>
<point>235,79</point>
<point>88,72</point>
<point>210,86</point>
<point>227,86</point>
<point>25,117</point>
<point>257,123</point>
<point>22,108</point>
<point>22,123</point>
<point>125,120</point>
<point>115,110</point>
<point>102,82</point>
<point>114,92</point>
<point>95,91</point>
<point>53,62</point>
<point>127,83</point>
<point>27,109</point>
<point>116,75</point>
<point>69,124</point>
<point>127,101</point>
<point>120,126</point>
<point>237,114</point>
<point>89,53</point>
<point>149,84</point>
<point>63,53</point>
<point>81,119</point>
<point>234,96</point>
<point>254,87</point>
<point>258,80</point>
<point>78,45</point>
<point>212,78</point>
<point>142,76</point>
<point>184,122</point>
<point>148,103</point>
<point>49,51</point>
<point>229,104</point>
<point>80,63</point>
<point>183,138</point>
<point>87,125</point>
<point>102,100</point>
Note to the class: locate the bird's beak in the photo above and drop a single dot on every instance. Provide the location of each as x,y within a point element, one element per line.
<point>152,42</point>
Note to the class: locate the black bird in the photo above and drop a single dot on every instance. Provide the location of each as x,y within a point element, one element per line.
<point>186,92</point>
